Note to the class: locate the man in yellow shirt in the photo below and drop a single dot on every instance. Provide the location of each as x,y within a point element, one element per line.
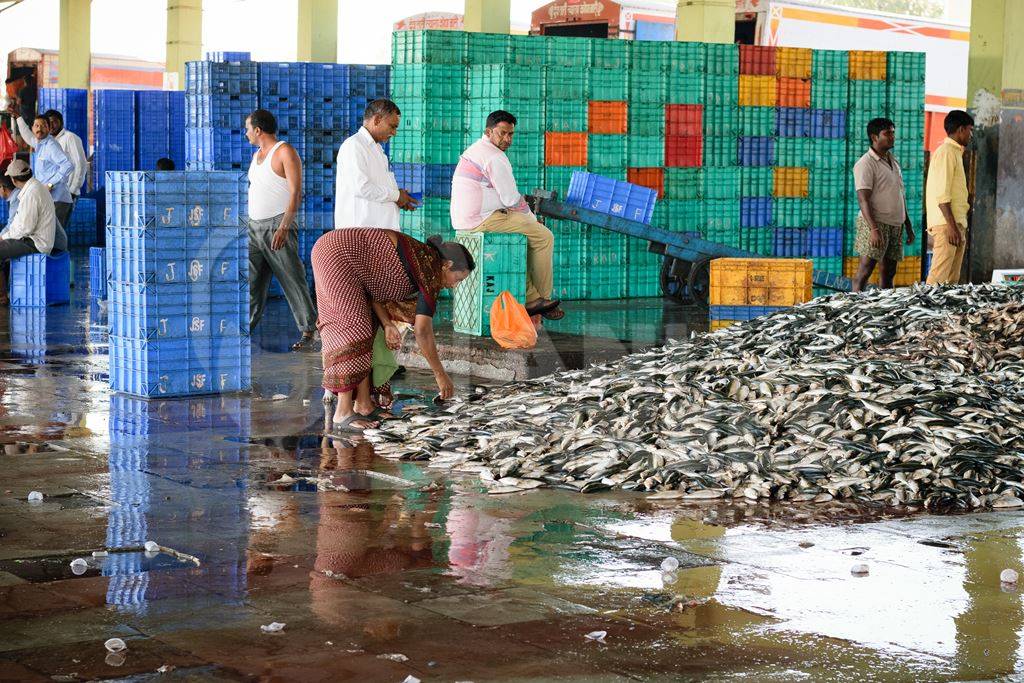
<point>946,200</point>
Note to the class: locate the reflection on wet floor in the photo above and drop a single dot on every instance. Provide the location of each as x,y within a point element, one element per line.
<point>365,558</point>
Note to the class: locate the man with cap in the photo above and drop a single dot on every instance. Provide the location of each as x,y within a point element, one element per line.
<point>50,164</point>
<point>34,228</point>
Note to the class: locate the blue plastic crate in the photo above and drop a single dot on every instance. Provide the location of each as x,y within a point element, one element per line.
<point>742,313</point>
<point>38,280</point>
<point>176,198</point>
<point>97,273</point>
<point>147,310</point>
<point>180,367</point>
<point>614,197</point>
<point>73,104</point>
<point>431,180</point>
<point>229,56</point>
<point>828,123</point>
<point>757,151</point>
<point>326,81</point>
<point>371,81</point>
<point>793,122</point>
<point>755,212</point>
<point>232,78</point>
<point>824,242</point>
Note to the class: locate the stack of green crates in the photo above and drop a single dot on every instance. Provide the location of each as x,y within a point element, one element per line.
<point>500,266</point>
<point>905,72</point>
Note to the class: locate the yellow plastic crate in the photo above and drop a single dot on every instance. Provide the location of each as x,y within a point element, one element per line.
<point>758,91</point>
<point>721,324</point>
<point>791,181</point>
<point>760,282</point>
<point>867,65</point>
<point>793,62</point>
<point>908,271</point>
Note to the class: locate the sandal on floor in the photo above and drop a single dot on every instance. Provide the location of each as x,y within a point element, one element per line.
<point>543,309</point>
<point>555,313</point>
<point>381,414</point>
<point>347,426</point>
<point>304,343</point>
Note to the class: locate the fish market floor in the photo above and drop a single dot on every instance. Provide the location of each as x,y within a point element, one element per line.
<point>381,570</point>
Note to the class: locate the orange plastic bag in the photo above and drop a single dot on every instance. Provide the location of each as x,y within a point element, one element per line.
<point>511,326</point>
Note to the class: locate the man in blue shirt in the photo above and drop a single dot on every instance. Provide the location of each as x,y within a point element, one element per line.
<point>50,165</point>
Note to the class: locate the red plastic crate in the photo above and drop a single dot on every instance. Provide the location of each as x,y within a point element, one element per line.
<point>565,149</point>
<point>609,117</point>
<point>757,60</point>
<point>684,119</point>
<point>653,178</point>
<point>684,150</point>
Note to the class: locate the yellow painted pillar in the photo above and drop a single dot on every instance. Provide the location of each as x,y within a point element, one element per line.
<point>488,16</point>
<point>706,21</point>
<point>184,38</point>
<point>75,44</point>
<point>985,63</point>
<point>318,31</point>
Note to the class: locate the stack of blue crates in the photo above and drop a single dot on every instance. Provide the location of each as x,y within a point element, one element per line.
<point>160,130</point>
<point>178,288</point>
<point>82,230</point>
<point>114,138</point>
<point>73,104</point>
<point>97,273</point>
<point>229,56</point>
<point>218,98</point>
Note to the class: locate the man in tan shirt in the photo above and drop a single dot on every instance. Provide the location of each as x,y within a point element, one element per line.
<point>946,200</point>
<point>883,207</point>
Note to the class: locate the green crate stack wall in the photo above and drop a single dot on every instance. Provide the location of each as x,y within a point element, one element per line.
<point>905,80</point>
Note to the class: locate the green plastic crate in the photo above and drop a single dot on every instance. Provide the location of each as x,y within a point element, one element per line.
<point>412,146</point>
<point>422,113</point>
<point>757,181</point>
<point>576,53</point>
<point>570,243</point>
<point>529,116</point>
<point>568,116</point>
<point>721,90</point>
<point>433,217</point>
<point>721,121</point>
<point>829,65</point>
<point>793,152</point>
<point>721,216</point>
<point>646,150</point>
<point>605,248</point>
<point>529,178</point>
<point>828,154</point>
<point>868,96</point>
<point>428,47</point>
<point>721,151</point>
<point>756,121</point>
<point>647,87</point>
<point>684,57</point>
<point>722,59</point>
<point>828,183</point>
<point>913,183</point>
<point>566,83</point>
<point>685,215</point>
<point>526,150</point>
<point>906,97</point>
<point>830,94</point>
<point>792,213</point>
<point>649,55</point>
<point>685,88</point>
<point>849,236</point>
<point>914,248</point>
<point>757,240</point>
<point>610,54</point>
<point>500,266</point>
<point>646,119</point>
<point>428,81</point>
<point>489,48</point>
<point>721,183</point>
<point>507,81</point>
<point>607,282</point>
<point>609,85</point>
<point>683,183</point>
<point>557,178</point>
<point>828,212</point>
<point>905,67</point>
<point>832,264</point>
<point>528,50</point>
<point>617,172</point>
<point>606,151</point>
<point>644,282</point>
<point>912,159</point>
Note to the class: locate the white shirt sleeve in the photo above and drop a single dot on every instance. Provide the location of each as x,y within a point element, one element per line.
<point>25,221</point>
<point>25,131</point>
<point>76,153</point>
<point>499,170</point>
<point>355,165</point>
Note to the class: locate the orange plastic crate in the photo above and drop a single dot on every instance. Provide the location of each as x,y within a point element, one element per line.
<point>608,117</point>
<point>653,178</point>
<point>908,271</point>
<point>758,91</point>
<point>791,182</point>
<point>794,92</point>
<point>565,149</point>
<point>793,62</point>
<point>867,65</point>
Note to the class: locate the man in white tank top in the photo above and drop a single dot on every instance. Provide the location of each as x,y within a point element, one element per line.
<point>275,189</point>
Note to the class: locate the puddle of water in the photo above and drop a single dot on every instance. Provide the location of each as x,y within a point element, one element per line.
<point>58,567</point>
<point>28,448</point>
<point>68,501</point>
<point>354,481</point>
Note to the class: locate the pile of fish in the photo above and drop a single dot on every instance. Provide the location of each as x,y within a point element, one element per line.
<point>900,397</point>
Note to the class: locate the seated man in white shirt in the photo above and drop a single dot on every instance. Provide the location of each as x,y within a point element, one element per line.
<point>367,195</point>
<point>33,228</point>
<point>485,198</point>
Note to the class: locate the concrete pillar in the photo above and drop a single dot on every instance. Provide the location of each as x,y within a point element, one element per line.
<point>488,16</point>
<point>75,44</point>
<point>184,38</point>
<point>318,31</point>
<point>706,21</point>
<point>1009,224</point>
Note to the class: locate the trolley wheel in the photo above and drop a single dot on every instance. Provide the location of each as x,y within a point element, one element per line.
<point>698,282</point>
<point>673,279</point>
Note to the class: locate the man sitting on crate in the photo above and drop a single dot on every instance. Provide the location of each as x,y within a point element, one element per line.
<point>485,198</point>
<point>33,229</point>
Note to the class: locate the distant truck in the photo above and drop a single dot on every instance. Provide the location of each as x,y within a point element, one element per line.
<point>790,23</point>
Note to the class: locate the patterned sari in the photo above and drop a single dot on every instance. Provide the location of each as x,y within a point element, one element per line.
<point>351,268</point>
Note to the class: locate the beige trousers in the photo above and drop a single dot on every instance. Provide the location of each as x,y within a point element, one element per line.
<point>946,259</point>
<point>540,248</point>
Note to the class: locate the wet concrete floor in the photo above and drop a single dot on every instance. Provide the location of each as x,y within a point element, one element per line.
<point>382,570</point>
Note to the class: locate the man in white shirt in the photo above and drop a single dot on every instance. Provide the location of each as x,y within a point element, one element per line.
<point>34,227</point>
<point>72,146</point>
<point>367,195</point>
<point>485,198</point>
